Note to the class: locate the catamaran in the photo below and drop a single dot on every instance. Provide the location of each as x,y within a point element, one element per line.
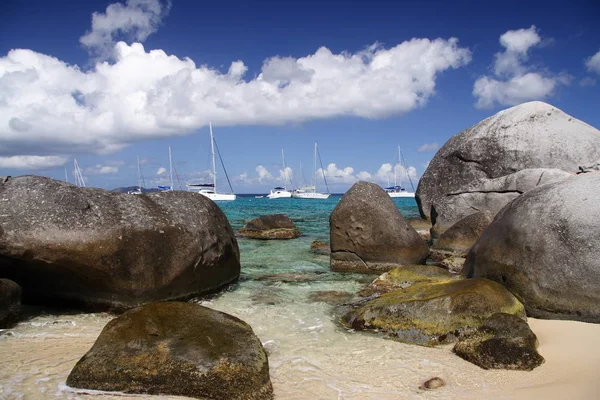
<point>310,192</point>
<point>398,190</point>
<point>210,189</point>
<point>281,192</point>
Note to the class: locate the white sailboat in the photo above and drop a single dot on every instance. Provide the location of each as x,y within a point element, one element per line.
<point>139,178</point>
<point>398,190</point>
<point>169,188</point>
<point>281,192</point>
<point>210,189</point>
<point>79,181</point>
<point>310,192</point>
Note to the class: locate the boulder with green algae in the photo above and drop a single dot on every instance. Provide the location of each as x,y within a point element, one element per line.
<point>176,349</point>
<point>504,341</point>
<point>405,276</point>
<point>268,227</point>
<point>434,313</point>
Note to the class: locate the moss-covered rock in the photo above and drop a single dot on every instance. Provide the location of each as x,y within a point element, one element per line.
<point>178,349</point>
<point>10,302</point>
<point>434,313</point>
<point>405,276</point>
<point>504,341</point>
<point>269,227</point>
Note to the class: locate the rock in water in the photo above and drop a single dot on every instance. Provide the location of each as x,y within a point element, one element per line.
<point>369,235</point>
<point>176,349</point>
<point>405,276</point>
<point>504,341</point>
<point>545,248</point>
<point>319,247</point>
<point>276,226</point>
<point>102,249</point>
<point>434,313</point>
<point>433,383</point>
<point>479,169</point>
<point>10,302</point>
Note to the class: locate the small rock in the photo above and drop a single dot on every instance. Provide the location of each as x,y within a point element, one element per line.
<point>320,247</point>
<point>454,265</point>
<point>270,227</point>
<point>433,383</point>
<point>332,297</point>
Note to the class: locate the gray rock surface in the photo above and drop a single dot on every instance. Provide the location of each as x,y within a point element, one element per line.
<point>463,234</point>
<point>479,168</point>
<point>101,249</point>
<point>177,349</point>
<point>545,248</point>
<point>10,302</point>
<point>368,234</point>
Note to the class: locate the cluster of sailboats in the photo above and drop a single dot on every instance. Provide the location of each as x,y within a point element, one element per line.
<point>309,192</point>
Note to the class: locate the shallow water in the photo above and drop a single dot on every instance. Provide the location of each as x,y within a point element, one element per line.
<point>310,355</point>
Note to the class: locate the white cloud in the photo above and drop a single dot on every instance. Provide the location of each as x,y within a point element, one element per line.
<point>263,174</point>
<point>136,20</point>
<point>161,171</point>
<point>515,82</point>
<point>363,176</point>
<point>32,162</point>
<point>587,81</point>
<point>101,170</point>
<point>428,147</point>
<point>337,175</point>
<point>388,174</point>
<point>47,104</point>
<point>593,63</point>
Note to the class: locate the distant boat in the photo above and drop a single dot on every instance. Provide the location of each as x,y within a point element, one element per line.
<point>169,187</point>
<point>258,197</point>
<point>310,192</point>
<point>139,176</point>
<point>210,189</point>
<point>398,190</point>
<point>281,192</point>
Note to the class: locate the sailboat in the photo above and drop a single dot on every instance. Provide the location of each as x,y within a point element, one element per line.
<point>398,190</point>
<point>139,176</point>
<point>281,192</point>
<point>310,192</point>
<point>168,188</point>
<point>210,189</point>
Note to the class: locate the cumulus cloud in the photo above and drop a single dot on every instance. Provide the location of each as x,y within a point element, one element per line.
<point>135,20</point>
<point>363,176</point>
<point>263,174</point>
<point>587,81</point>
<point>388,174</point>
<point>32,162</point>
<point>99,169</point>
<point>515,82</point>
<point>161,171</point>
<point>428,147</point>
<point>49,105</point>
<point>593,63</point>
<point>338,175</point>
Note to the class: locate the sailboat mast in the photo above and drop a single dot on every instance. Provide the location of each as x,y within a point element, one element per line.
<point>314,177</point>
<point>396,169</point>
<point>212,156</point>
<point>284,171</point>
<point>139,174</point>
<point>66,176</point>
<point>170,168</point>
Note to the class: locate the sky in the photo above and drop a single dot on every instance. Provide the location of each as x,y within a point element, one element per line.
<point>106,82</point>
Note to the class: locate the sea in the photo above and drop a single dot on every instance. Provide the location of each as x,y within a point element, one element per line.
<point>311,355</point>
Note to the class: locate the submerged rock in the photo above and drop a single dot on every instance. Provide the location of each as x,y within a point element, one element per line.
<point>275,226</point>
<point>369,235</point>
<point>101,249</point>
<point>405,276</point>
<point>545,248</point>
<point>504,341</point>
<point>332,297</point>
<point>434,313</point>
<point>10,302</point>
<point>488,165</point>
<point>290,277</point>
<point>176,349</point>
<point>319,247</point>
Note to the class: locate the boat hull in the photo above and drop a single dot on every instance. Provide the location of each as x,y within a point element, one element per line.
<point>311,196</point>
<point>219,196</point>
<point>280,194</point>
<point>401,194</point>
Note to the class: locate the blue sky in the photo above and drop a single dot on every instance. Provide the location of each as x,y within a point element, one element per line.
<point>359,78</point>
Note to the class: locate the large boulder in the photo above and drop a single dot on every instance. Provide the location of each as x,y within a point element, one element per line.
<point>482,168</point>
<point>368,234</point>
<point>176,349</point>
<point>101,249</point>
<point>545,248</point>
<point>462,235</point>
<point>431,313</point>
<point>275,226</point>
<point>10,302</point>
<point>504,341</point>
